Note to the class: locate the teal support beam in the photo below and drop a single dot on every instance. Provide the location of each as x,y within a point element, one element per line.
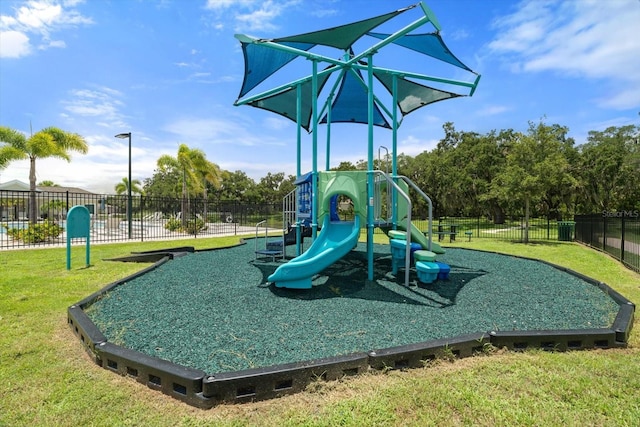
<point>431,16</point>
<point>370,169</point>
<point>298,164</point>
<point>392,37</point>
<point>475,85</point>
<point>299,130</point>
<point>328,153</point>
<point>314,170</point>
<point>394,151</point>
<point>417,76</point>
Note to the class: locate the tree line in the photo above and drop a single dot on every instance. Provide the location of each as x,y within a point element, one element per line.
<point>540,172</point>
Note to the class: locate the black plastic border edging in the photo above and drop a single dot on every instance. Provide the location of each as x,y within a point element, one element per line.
<point>174,380</point>
<point>275,381</point>
<point>623,322</point>
<point>414,355</point>
<point>197,388</point>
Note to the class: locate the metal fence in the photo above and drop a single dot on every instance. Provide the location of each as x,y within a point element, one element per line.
<point>163,218</point>
<point>616,233</point>
<point>152,218</point>
<point>451,228</point>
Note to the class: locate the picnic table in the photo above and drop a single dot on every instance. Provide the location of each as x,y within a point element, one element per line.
<point>452,231</point>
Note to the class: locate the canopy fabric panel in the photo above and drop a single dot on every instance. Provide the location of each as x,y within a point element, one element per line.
<point>284,103</point>
<point>430,44</point>
<point>344,36</point>
<point>261,61</point>
<point>348,104</point>
<point>412,95</point>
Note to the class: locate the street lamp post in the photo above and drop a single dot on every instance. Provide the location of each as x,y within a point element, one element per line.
<point>129,201</point>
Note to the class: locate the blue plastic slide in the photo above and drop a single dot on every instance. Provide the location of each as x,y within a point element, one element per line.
<point>335,240</point>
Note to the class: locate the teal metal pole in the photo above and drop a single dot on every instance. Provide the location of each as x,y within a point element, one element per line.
<point>314,175</point>
<point>298,165</point>
<point>370,167</point>
<point>394,151</point>
<point>332,93</point>
<point>68,253</point>
<point>328,154</point>
<point>88,250</point>
<point>299,130</point>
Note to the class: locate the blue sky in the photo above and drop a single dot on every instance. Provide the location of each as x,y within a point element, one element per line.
<point>169,71</point>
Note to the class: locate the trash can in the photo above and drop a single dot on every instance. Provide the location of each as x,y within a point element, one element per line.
<point>565,231</point>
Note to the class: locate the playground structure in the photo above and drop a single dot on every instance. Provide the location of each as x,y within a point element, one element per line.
<point>314,204</point>
<point>352,98</point>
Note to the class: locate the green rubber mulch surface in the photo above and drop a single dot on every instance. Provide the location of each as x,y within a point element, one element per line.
<point>213,310</point>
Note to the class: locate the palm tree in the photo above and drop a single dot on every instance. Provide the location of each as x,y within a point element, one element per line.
<point>7,151</point>
<point>123,186</point>
<point>209,173</point>
<point>48,142</point>
<point>196,171</point>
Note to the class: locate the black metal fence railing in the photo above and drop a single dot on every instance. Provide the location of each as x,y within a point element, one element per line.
<point>152,218</point>
<point>449,228</point>
<point>164,218</point>
<point>616,233</point>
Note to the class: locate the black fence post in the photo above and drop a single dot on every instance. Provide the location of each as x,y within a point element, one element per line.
<point>604,233</point>
<point>141,204</point>
<point>622,238</point>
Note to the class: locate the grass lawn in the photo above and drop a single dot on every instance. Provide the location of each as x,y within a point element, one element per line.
<point>47,379</point>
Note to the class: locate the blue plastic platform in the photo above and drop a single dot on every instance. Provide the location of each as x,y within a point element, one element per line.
<point>427,271</point>
<point>443,274</point>
<point>399,247</point>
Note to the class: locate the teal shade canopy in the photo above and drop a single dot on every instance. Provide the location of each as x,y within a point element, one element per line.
<point>412,95</point>
<point>347,100</point>
<point>284,102</point>
<point>261,61</point>
<point>348,104</point>
<point>344,36</point>
<point>430,44</point>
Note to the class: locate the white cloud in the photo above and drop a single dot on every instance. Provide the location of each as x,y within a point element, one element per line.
<point>251,15</point>
<point>72,3</point>
<point>14,44</point>
<point>578,38</point>
<point>492,110</point>
<point>38,14</point>
<point>276,123</point>
<point>222,131</point>
<point>459,34</point>
<point>199,75</point>
<point>412,146</point>
<point>225,4</point>
<point>102,102</point>
<point>53,43</point>
<point>323,13</point>
<point>38,19</point>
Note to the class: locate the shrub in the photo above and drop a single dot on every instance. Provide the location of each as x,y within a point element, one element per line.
<point>195,226</point>
<point>173,225</point>
<point>36,233</point>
